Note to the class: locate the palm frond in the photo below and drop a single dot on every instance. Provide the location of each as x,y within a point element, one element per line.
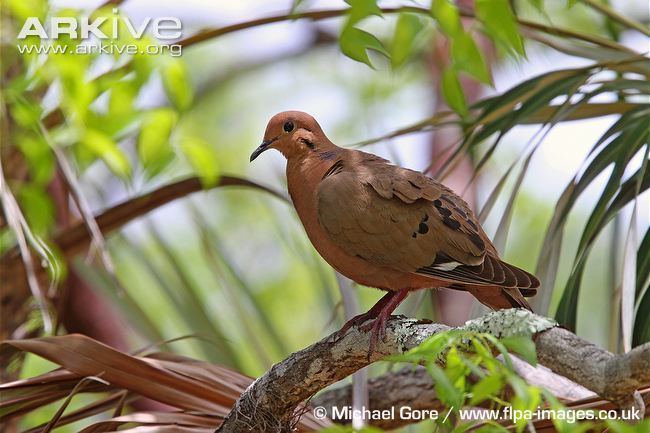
<point>202,393</point>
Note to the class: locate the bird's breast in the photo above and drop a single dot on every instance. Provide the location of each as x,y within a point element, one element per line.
<point>303,192</point>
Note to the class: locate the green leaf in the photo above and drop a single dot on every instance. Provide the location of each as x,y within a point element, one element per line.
<point>521,92</point>
<point>154,149</point>
<point>543,98</point>
<point>23,9</point>
<point>435,345</point>
<point>553,237</point>
<point>538,4</point>
<point>618,152</point>
<point>39,157</point>
<point>355,43</point>
<point>500,24</point>
<point>641,332</point>
<point>467,57</point>
<point>361,9</point>
<point>120,102</point>
<point>445,389</point>
<point>455,368</point>
<point>121,111</point>
<point>487,387</point>
<point>522,346</point>
<point>105,147</point>
<point>26,113</point>
<point>295,4</point>
<point>643,263</point>
<point>616,426</point>
<point>487,428</point>
<point>628,192</point>
<point>177,84</point>
<point>406,30</point>
<point>447,15</point>
<point>622,149</point>
<point>453,92</point>
<point>527,400</point>
<point>203,159</point>
<point>37,206</point>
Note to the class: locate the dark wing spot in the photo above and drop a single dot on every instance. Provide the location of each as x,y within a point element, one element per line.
<point>444,212</point>
<point>425,218</point>
<point>447,199</point>
<point>476,240</point>
<point>472,225</point>
<point>334,169</point>
<point>451,223</point>
<point>414,185</point>
<point>423,228</point>
<point>460,212</point>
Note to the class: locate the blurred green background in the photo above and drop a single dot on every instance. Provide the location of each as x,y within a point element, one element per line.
<point>231,267</point>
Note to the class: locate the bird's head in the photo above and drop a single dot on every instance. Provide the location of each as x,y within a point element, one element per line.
<point>294,133</point>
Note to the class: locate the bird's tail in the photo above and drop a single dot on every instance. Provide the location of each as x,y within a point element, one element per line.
<point>516,298</point>
<point>499,298</point>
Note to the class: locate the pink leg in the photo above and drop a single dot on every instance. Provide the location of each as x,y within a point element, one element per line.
<point>370,314</point>
<point>378,326</point>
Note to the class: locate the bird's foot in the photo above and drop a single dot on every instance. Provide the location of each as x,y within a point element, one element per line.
<point>380,313</point>
<point>377,330</point>
<point>356,321</point>
<point>377,327</point>
<point>360,319</point>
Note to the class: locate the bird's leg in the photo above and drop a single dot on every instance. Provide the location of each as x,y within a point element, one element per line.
<point>378,326</point>
<point>364,317</point>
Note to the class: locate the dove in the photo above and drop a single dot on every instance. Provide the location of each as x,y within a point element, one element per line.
<point>388,227</point>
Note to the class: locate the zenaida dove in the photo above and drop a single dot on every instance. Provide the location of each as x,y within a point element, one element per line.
<point>388,227</point>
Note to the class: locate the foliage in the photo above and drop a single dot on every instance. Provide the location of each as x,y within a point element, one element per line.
<point>475,370</point>
<point>85,111</point>
<point>98,109</point>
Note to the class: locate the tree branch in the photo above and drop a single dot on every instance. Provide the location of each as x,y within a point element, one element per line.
<point>613,377</point>
<point>317,15</point>
<point>271,403</point>
<point>275,400</point>
<point>408,387</point>
<point>414,388</point>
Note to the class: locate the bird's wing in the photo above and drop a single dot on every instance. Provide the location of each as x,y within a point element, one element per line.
<point>404,220</point>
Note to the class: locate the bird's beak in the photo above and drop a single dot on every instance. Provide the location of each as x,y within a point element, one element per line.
<point>262,147</point>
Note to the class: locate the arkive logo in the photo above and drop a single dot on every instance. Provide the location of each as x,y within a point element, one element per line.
<point>163,28</point>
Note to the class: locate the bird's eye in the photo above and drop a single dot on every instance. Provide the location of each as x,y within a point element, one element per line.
<point>288,126</point>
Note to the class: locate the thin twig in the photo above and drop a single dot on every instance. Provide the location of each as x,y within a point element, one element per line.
<point>97,239</point>
<point>615,16</point>
<point>15,220</point>
<point>332,13</point>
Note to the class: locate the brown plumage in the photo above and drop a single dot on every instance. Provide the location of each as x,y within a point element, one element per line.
<point>388,227</point>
